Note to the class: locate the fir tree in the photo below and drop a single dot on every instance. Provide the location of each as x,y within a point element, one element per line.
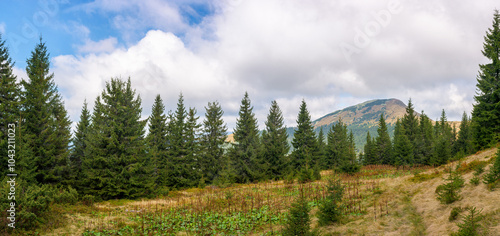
<point>246,149</point>
<point>485,114</point>
<point>79,146</point>
<point>464,144</point>
<point>46,125</point>
<point>369,151</point>
<point>193,147</point>
<point>9,102</point>
<point>383,143</point>
<point>443,141</point>
<point>156,141</point>
<point>330,209</point>
<point>410,123</point>
<point>275,142</point>
<point>213,139</point>
<point>298,220</point>
<point>403,150</point>
<point>322,150</point>
<point>117,165</point>
<point>425,141</point>
<point>305,144</point>
<point>181,168</point>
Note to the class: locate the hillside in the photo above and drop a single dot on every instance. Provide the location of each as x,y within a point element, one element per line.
<point>379,200</point>
<point>367,113</point>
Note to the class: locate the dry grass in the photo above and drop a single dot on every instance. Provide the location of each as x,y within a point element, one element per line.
<point>381,200</point>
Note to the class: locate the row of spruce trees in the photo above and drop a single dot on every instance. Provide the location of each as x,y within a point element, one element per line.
<point>417,141</point>
<point>111,156</point>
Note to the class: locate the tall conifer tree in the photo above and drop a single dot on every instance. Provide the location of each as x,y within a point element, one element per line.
<point>156,141</point>
<point>117,165</point>
<point>275,143</point>
<point>369,151</point>
<point>486,112</point>
<point>46,124</point>
<point>213,138</point>
<point>304,141</point>
<point>246,149</point>
<point>9,102</point>
<point>383,143</point>
<point>464,140</point>
<point>79,151</point>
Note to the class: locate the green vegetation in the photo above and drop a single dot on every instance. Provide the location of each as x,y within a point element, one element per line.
<point>450,191</point>
<point>330,209</point>
<point>485,114</point>
<point>470,223</point>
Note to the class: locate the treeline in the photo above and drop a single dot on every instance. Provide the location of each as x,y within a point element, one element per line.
<point>417,141</point>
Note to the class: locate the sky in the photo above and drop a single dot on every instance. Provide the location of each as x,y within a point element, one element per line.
<point>330,53</point>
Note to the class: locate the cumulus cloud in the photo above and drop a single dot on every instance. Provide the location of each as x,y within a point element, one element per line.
<point>288,50</point>
<point>105,45</point>
<point>2,28</point>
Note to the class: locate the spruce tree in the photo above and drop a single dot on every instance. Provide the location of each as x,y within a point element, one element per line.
<point>45,125</point>
<point>213,139</point>
<point>443,141</point>
<point>246,149</point>
<point>305,145</point>
<point>9,103</point>
<point>426,141</point>
<point>117,165</point>
<point>410,122</point>
<point>464,144</point>
<point>193,147</point>
<point>369,151</point>
<point>79,151</point>
<point>322,150</point>
<point>156,141</point>
<point>486,112</point>
<point>275,143</point>
<point>402,148</point>
<point>338,146</point>
<point>383,143</point>
<point>181,164</point>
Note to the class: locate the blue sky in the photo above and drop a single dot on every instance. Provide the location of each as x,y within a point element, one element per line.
<point>63,24</point>
<point>332,54</point>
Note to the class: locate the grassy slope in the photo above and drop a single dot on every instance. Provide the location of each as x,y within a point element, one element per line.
<point>387,202</point>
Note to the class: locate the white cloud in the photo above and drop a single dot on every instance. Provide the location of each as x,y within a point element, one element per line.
<point>2,28</point>
<point>288,51</point>
<point>105,45</point>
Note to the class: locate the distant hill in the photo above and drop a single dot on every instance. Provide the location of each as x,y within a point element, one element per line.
<point>362,118</point>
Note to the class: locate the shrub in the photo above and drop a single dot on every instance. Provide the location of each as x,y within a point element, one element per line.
<point>298,221</point>
<point>349,168</point>
<point>474,181</point>
<point>450,191</point>
<point>455,212</point>
<point>330,209</point>
<point>305,175</point>
<point>33,202</point>
<point>470,223</point>
<point>493,174</point>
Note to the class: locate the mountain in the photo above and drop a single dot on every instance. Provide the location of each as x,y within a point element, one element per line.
<point>362,118</point>
<point>367,113</point>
